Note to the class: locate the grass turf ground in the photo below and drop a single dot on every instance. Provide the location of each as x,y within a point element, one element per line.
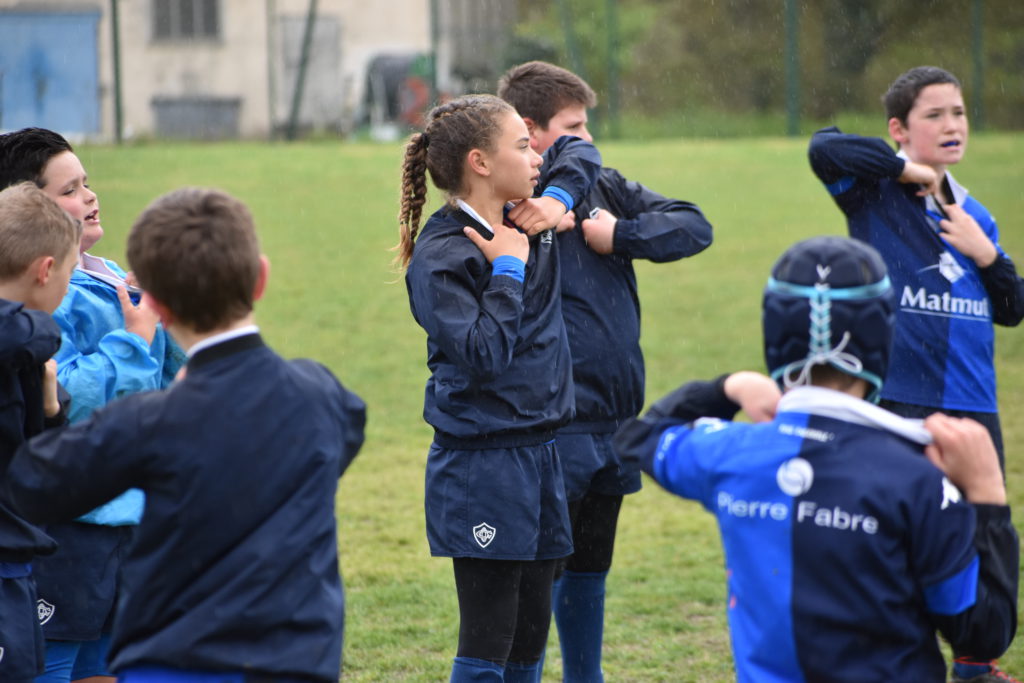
<point>326,218</point>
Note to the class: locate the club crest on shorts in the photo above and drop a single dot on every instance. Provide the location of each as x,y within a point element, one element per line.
<point>483,533</point>
<point>45,611</point>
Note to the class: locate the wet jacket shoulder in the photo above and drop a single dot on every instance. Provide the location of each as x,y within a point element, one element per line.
<point>496,347</point>
<point>650,226</point>
<point>28,338</point>
<point>239,462</point>
<point>570,170</point>
<point>600,301</point>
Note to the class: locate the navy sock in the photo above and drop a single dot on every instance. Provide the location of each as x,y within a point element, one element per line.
<point>519,672</point>
<point>470,670</point>
<point>578,604</point>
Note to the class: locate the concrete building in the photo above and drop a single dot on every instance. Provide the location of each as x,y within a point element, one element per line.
<point>228,68</point>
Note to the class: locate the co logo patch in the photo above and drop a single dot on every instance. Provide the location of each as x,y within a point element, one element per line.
<point>45,611</point>
<point>483,534</point>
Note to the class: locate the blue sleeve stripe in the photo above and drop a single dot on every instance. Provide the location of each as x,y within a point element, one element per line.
<point>559,194</point>
<point>840,186</point>
<point>956,593</point>
<point>510,266</point>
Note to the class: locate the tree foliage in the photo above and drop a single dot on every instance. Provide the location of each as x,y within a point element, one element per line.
<point>729,55</point>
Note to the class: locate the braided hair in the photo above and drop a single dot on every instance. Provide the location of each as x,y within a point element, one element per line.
<point>452,130</point>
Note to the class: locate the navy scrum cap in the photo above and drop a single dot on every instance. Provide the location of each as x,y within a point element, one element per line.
<point>828,302</point>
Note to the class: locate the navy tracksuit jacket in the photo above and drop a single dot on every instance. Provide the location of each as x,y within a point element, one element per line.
<point>235,564</point>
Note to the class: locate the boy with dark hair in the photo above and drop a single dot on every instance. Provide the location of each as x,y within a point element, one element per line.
<point>847,540</point>
<point>951,277</point>
<point>38,249</point>
<point>234,568</point>
<point>109,348</point>
<point>601,309</point>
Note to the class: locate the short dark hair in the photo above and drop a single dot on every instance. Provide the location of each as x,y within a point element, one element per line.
<point>24,154</point>
<point>32,225</point>
<point>195,250</point>
<point>539,90</point>
<point>900,97</point>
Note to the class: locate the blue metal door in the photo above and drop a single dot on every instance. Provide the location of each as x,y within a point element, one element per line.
<point>48,71</point>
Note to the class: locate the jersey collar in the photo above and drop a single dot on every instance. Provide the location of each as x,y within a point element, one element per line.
<point>840,406</point>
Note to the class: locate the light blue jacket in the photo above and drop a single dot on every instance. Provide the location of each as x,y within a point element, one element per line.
<point>100,361</point>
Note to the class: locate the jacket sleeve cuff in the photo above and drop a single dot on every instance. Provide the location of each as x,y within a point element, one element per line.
<point>559,194</point>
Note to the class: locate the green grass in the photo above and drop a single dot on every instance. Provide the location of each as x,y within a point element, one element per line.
<point>326,217</point>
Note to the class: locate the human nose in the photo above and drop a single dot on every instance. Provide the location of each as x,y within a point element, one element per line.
<point>90,196</point>
<point>537,159</point>
<point>585,134</point>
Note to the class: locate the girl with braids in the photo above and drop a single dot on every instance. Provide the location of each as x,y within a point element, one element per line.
<point>487,294</point>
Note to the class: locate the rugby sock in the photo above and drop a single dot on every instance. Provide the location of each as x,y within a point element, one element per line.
<point>578,603</point>
<point>473,670</point>
<point>965,667</point>
<point>519,672</point>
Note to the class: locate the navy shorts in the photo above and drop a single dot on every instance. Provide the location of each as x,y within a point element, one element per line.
<point>21,639</point>
<point>590,464</point>
<point>497,503</point>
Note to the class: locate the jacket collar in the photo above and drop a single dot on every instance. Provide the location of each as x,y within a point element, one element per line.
<point>209,354</point>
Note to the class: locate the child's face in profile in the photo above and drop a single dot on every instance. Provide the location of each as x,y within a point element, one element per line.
<point>570,120</point>
<point>936,130</point>
<point>65,182</point>
<point>516,167</point>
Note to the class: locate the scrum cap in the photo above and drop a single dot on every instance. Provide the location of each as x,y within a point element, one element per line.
<point>828,302</point>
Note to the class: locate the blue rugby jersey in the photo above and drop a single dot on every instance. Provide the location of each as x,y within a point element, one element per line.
<point>844,546</point>
<point>600,302</point>
<point>943,345</point>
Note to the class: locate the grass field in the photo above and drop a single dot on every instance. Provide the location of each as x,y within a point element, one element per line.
<point>326,216</point>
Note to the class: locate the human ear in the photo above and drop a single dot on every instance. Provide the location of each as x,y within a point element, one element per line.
<point>157,306</point>
<point>897,131</point>
<point>43,269</point>
<point>478,162</point>
<point>261,280</point>
<point>533,129</point>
